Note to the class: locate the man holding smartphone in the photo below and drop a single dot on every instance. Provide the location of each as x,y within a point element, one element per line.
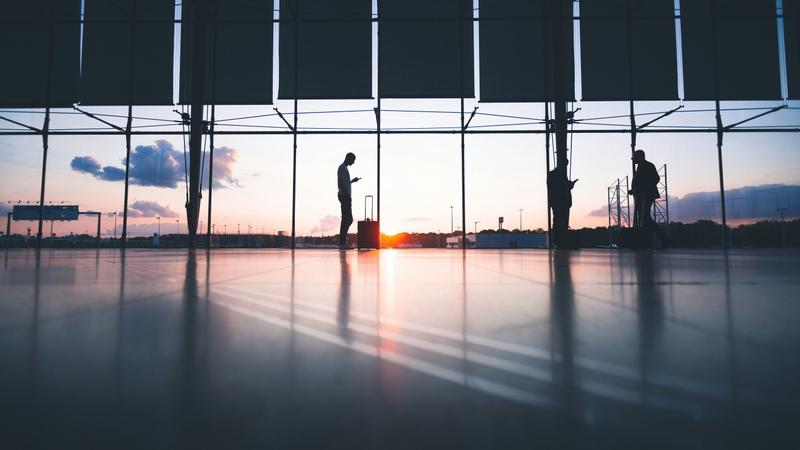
<point>345,197</point>
<point>559,198</point>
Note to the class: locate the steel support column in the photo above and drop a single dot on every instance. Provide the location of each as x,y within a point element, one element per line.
<point>128,126</point>
<point>199,50</point>
<point>294,127</point>
<point>46,127</point>
<point>45,145</point>
<point>378,149</point>
<point>720,130</point>
<point>124,241</point>
<point>630,84</point>
<point>633,136</point>
<point>557,17</point>
<point>294,172</point>
<point>547,168</point>
<point>211,128</point>
<point>463,141</point>
<point>720,134</point>
<point>557,14</point>
<point>210,174</point>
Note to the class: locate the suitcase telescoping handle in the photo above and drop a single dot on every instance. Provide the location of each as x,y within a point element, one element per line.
<point>371,207</point>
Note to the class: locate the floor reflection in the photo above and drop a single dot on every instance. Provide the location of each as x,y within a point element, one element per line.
<point>650,309</point>
<point>189,401</point>
<point>343,306</point>
<point>562,316</point>
<point>614,350</point>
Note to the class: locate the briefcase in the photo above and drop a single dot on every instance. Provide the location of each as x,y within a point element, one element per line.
<point>369,232</point>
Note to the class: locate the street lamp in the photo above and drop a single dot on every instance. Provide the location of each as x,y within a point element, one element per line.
<point>177,226</point>
<point>115,224</point>
<point>159,225</point>
<point>225,229</point>
<point>238,231</point>
<point>476,226</point>
<point>451,219</point>
<point>520,219</point>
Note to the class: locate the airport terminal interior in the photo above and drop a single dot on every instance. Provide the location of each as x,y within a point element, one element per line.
<point>494,302</point>
<point>399,349</point>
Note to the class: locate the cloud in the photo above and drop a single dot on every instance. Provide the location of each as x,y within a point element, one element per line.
<point>745,203</point>
<point>224,160</point>
<point>146,208</point>
<point>161,165</point>
<point>86,164</point>
<point>749,202</point>
<point>599,212</point>
<point>111,173</point>
<point>327,223</point>
<point>157,165</point>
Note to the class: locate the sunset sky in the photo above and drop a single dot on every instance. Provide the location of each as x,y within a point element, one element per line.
<point>420,173</point>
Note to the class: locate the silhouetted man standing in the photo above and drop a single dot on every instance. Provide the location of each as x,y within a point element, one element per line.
<point>644,188</point>
<point>559,198</point>
<point>345,197</point>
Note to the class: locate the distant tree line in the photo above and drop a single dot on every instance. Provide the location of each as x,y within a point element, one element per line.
<point>708,234</point>
<point>700,234</point>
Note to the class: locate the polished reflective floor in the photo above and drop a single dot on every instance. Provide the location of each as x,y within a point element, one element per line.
<point>399,349</point>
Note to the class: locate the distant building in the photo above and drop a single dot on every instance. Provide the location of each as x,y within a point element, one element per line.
<point>455,241</point>
<point>511,240</point>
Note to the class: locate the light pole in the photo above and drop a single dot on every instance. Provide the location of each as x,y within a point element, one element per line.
<point>476,226</point>
<point>520,219</point>
<point>451,219</point>
<point>201,228</point>
<point>249,229</point>
<point>159,226</point>
<point>238,231</point>
<point>225,229</point>
<point>115,225</point>
<point>177,226</point>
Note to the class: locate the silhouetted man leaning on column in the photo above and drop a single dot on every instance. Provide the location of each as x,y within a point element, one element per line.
<point>345,197</point>
<point>559,198</point>
<point>644,188</point>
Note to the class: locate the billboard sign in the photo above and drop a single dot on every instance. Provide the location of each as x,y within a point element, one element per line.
<point>51,212</point>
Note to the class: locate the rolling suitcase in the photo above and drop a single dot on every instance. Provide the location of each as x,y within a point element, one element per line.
<point>368,229</point>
